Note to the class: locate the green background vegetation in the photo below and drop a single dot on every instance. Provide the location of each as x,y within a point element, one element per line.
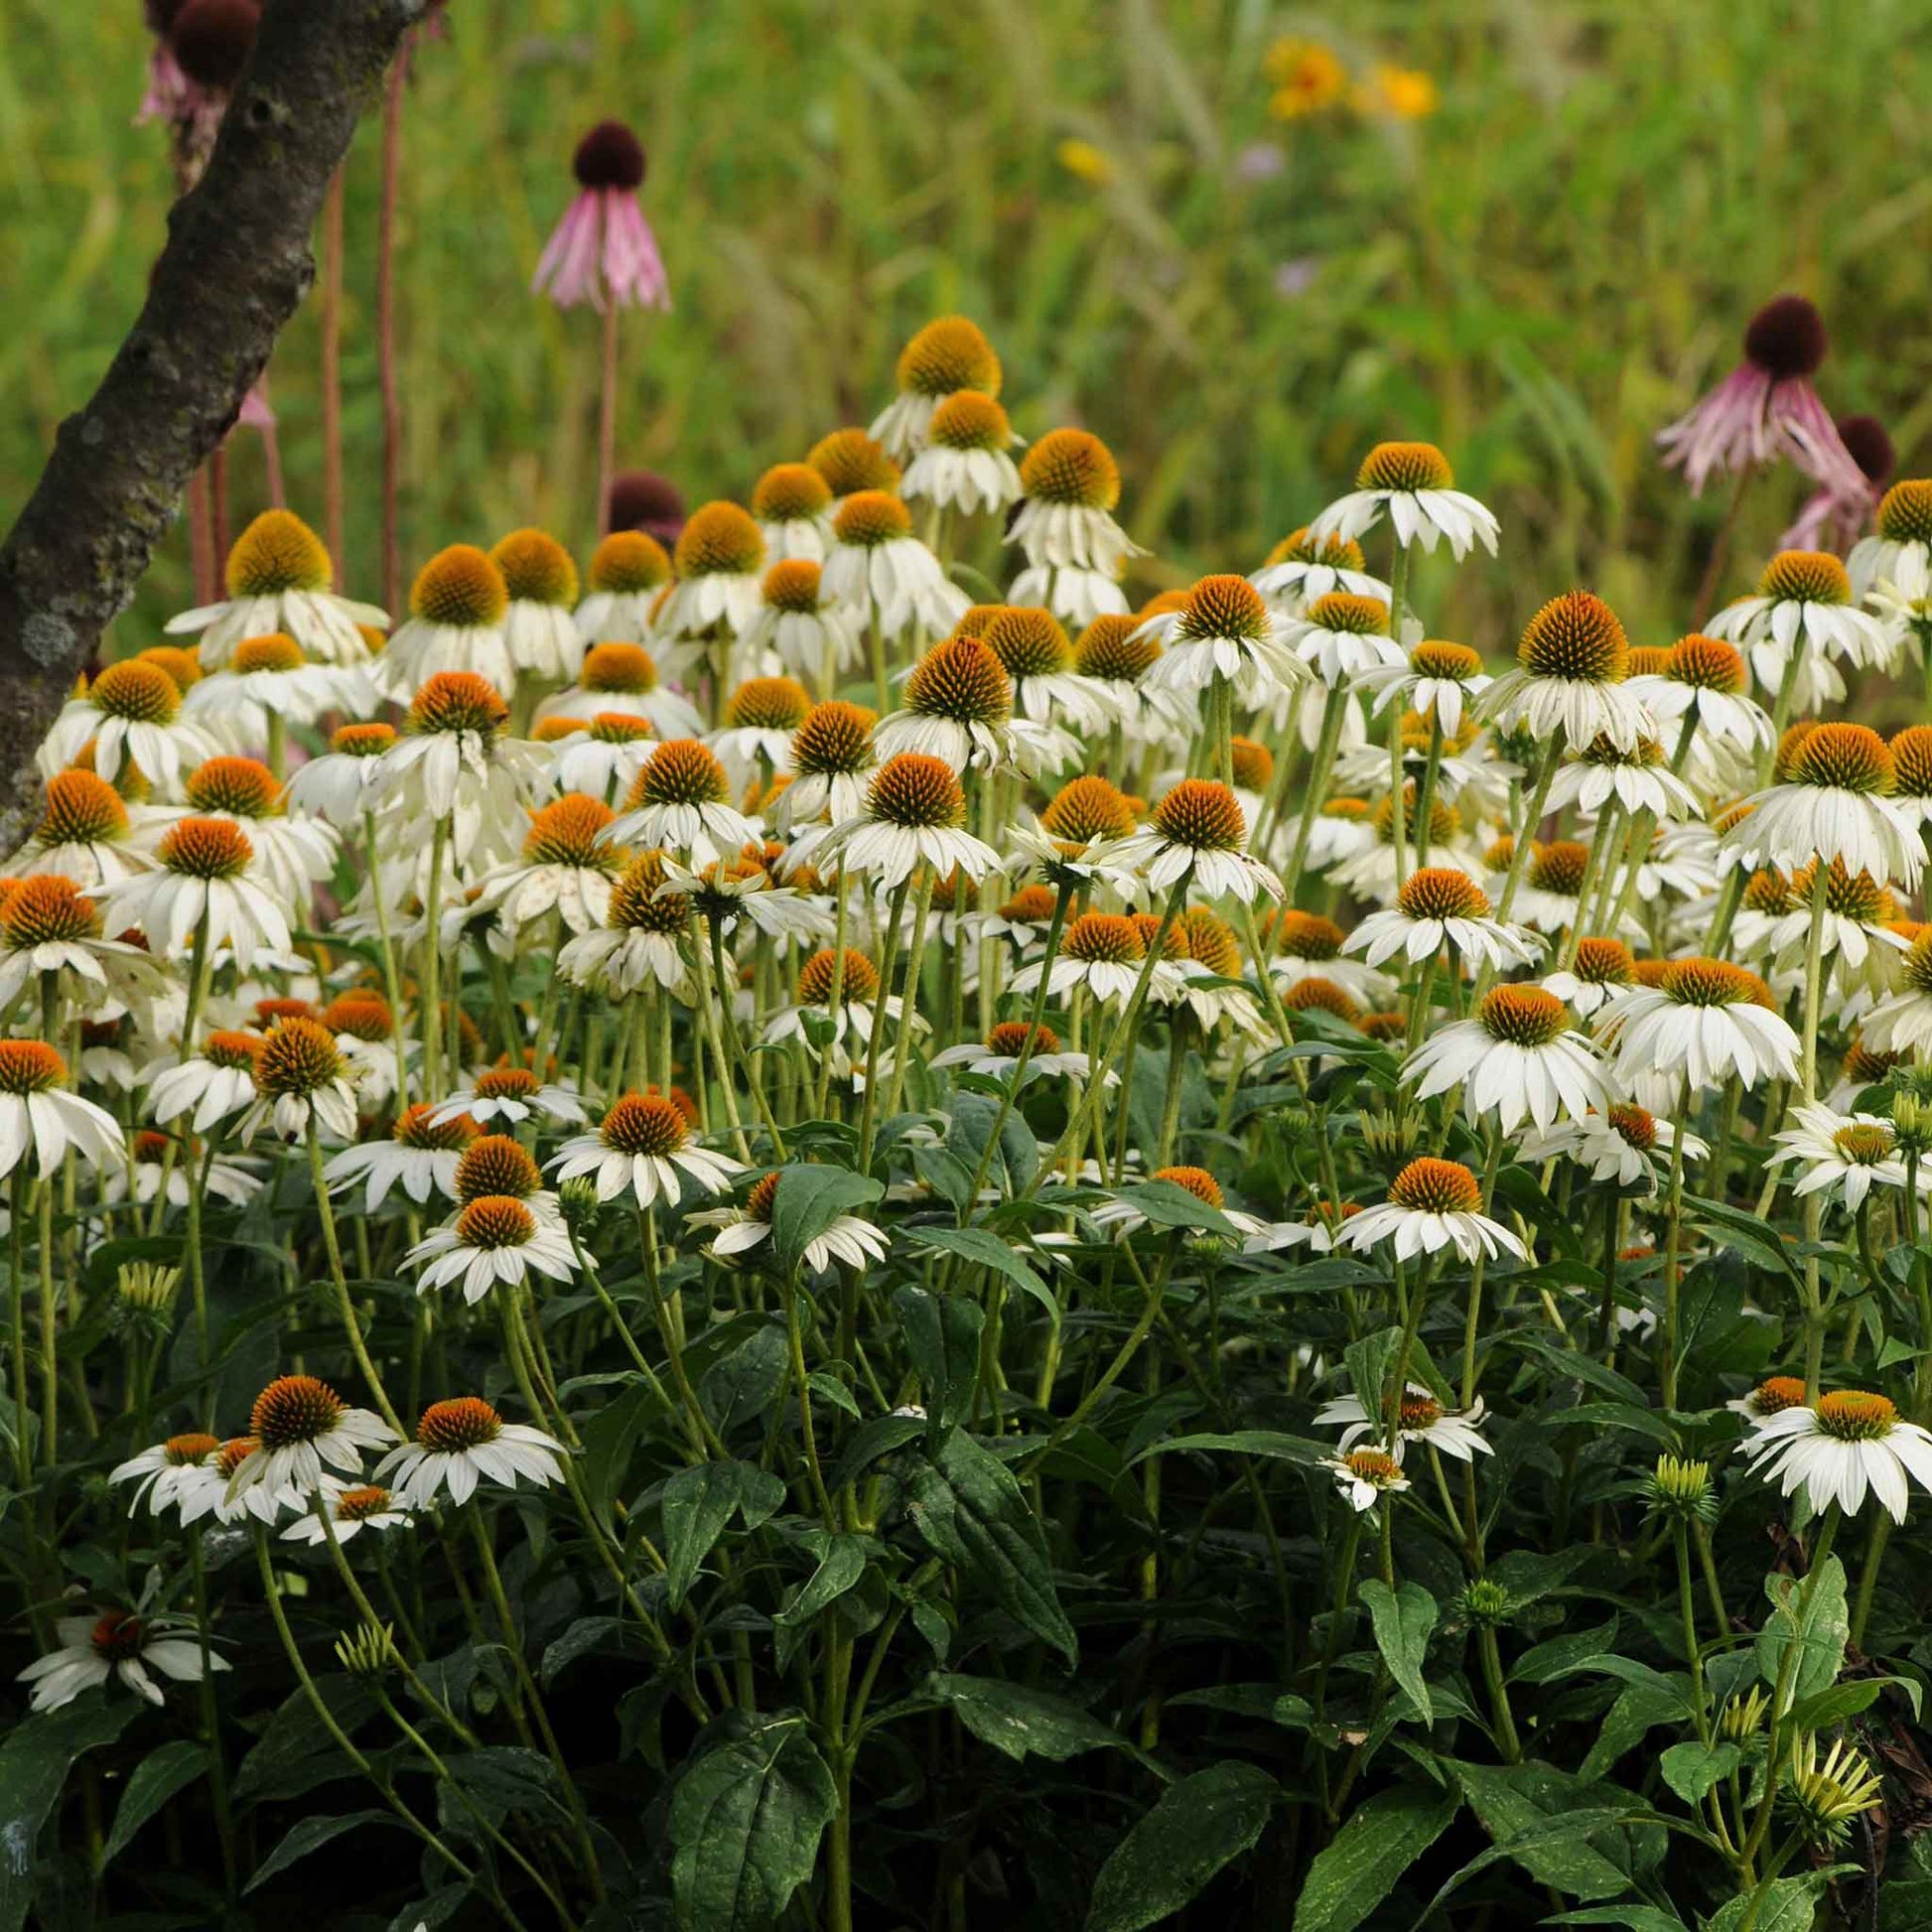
<point>1537,276</point>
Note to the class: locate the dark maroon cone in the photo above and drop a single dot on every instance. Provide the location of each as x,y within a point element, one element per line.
<point>1786,338</point>
<point>160,15</point>
<point>213,38</point>
<point>1871,447</point>
<point>609,156</point>
<point>641,500</point>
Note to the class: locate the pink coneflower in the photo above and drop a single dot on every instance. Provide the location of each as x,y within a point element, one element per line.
<point>1766,408</point>
<point>642,500</point>
<point>209,44</point>
<point>1830,522</point>
<point>604,247</point>
<point>168,89</point>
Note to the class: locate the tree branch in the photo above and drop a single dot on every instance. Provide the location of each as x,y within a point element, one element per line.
<point>236,267</point>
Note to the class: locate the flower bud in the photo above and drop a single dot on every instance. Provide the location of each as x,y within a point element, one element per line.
<point>369,1651</point>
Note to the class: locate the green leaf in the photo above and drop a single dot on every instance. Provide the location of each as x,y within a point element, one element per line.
<point>33,1763</point>
<point>808,1200</point>
<point>1269,1443</point>
<point>1023,1722</point>
<point>1529,1810</point>
<point>869,1442</point>
<point>747,1817</point>
<point>742,1386</point>
<point>1561,1655</point>
<point>1786,1906</point>
<point>942,1337</point>
<point>986,1248</point>
<point>1378,1842</point>
<point>970,1130</point>
<point>1821,1631</point>
<point>608,1437</point>
<point>1369,1363</point>
<point>1633,1918</point>
<point>841,1567</point>
<point>966,1505</point>
<point>1839,1702</point>
<point>1691,1769</point>
<point>1744,1232</point>
<point>1169,1205</point>
<point>310,1835</point>
<point>1200,1825</point>
<point>158,1777</point>
<point>697,1506</point>
<point>295,1754</point>
<point>1639,1709</point>
<point>1402,1621</point>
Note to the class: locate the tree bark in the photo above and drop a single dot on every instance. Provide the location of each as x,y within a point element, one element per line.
<point>237,265</point>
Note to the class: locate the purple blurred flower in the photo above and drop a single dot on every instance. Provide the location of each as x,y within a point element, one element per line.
<point>1294,277</point>
<point>604,245</point>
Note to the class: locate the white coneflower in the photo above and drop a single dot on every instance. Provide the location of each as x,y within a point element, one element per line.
<point>1197,832</point>
<point>1074,549</point>
<point>600,754</point>
<point>1517,1059</point>
<point>1222,631</point>
<point>680,803</point>
<point>1440,906</point>
<point>883,574</point>
<point>1902,1021</point>
<point>630,577</point>
<point>117,1644</point>
<point>539,629</point>
<point>169,1475</point>
<point>1438,679</point>
<point>1847,1442</point>
<point>566,868</point>
<point>1570,669</point>
<point>1342,636</point>
<point>964,465</point>
<point>84,834</point>
<point>512,1094</point>
<point>293,855</point>
<point>205,872</point>
<point>301,1426</point>
<point>1413,485</point>
<point>1420,1417</point>
<point>345,780</point>
<point>1832,806</point>
<point>1892,568</point>
<point>743,890</point>
<point>132,715</point>
<point>640,943</point>
<point>1432,1205</point>
<point>1804,605</point>
<point>1626,1143</point>
<point>1843,1155</point>
<point>1303,567</point>
<point>1602,969</point>
<point>791,504</point>
<point>1705,676</point>
<point>1857,929</point>
<point>841,1031</point>
<point>1079,836</point>
<point>352,1508</point>
<point>1100,953</point>
<point>1000,1055</point>
<point>643,1147</point>
<point>52,936</point>
<point>958,706</point>
<point>623,677</point>
<point>420,1157</point>
<point>216,1083</point>
<point>760,719</point>
<point>1122,1217</point>
<point>272,677</point>
<point>1703,1022</point>
<point>1035,652</point>
<point>1549,898</point>
<point>277,578</point>
<point>801,628</point>
<point>458,606</point>
<point>948,355</point>
<point>832,760</point>
<point>914,813</point>
<point>1365,1476</point>
<point>1115,651</point>
<point>301,1079</point>
<point>848,1239</point>
<point>1634,776</point>
<point>153,1170</point>
<point>456,763</point>
<point>495,1239</point>
<point>1300,945</point>
<point>1911,764</point>
<point>717,567</point>
<point>462,1442</point>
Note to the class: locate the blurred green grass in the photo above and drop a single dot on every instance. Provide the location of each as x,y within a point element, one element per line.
<point>1538,276</point>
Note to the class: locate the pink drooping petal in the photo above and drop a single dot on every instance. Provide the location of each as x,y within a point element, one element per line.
<point>1807,428</point>
<point>567,268</point>
<point>1724,431</point>
<point>633,271</point>
<point>255,412</point>
<point>169,89</point>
